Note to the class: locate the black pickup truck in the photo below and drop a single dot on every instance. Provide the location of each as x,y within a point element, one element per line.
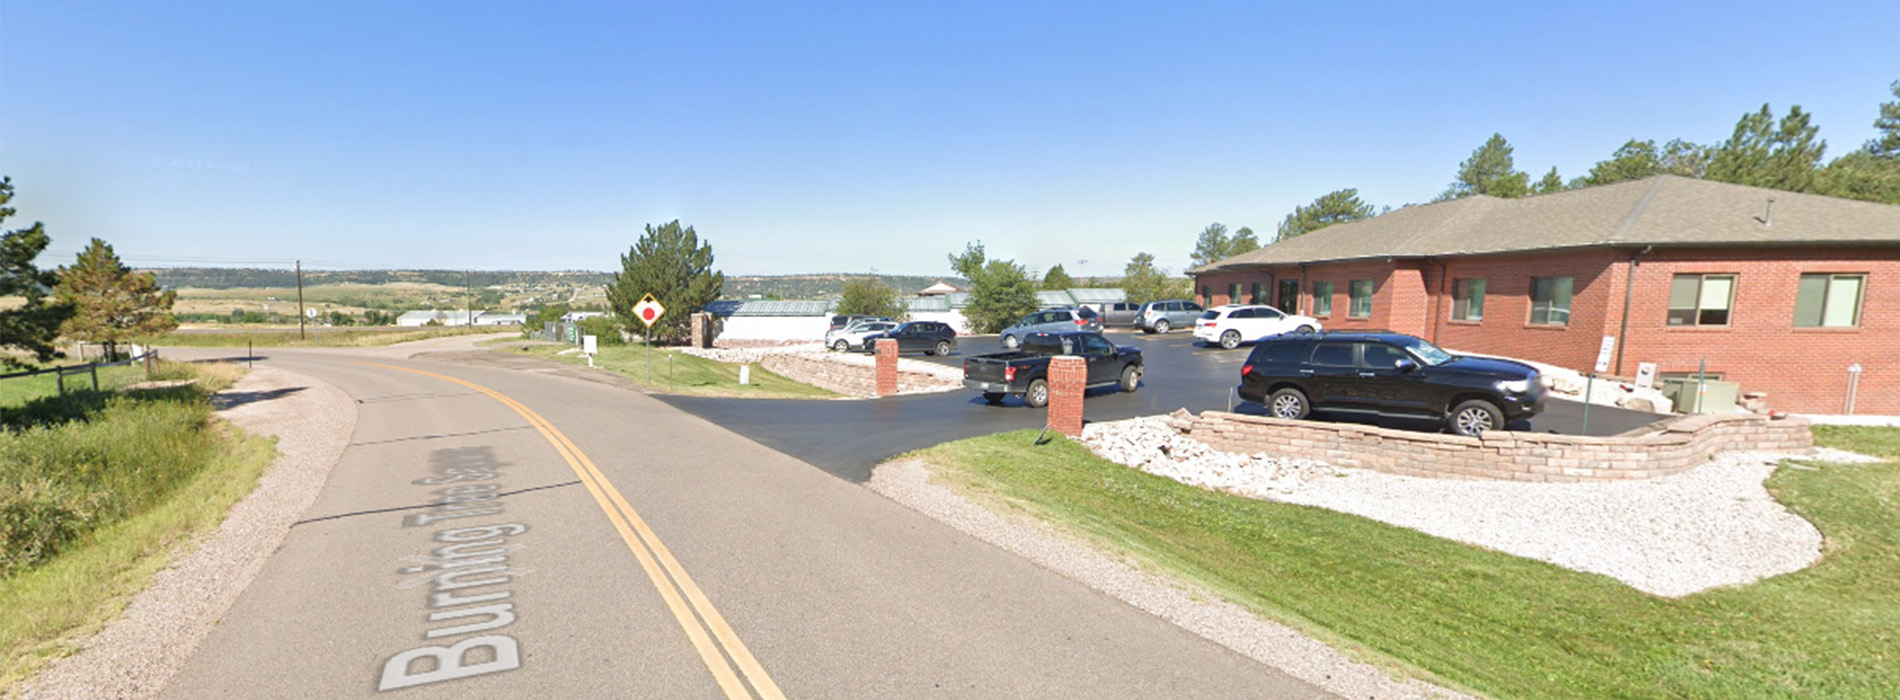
<point>1025,372</point>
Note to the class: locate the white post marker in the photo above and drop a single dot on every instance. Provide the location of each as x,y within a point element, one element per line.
<point>589,346</point>
<point>1603,365</point>
<point>745,375</point>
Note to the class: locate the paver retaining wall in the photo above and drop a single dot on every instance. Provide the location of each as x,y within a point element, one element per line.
<point>1669,448</point>
<point>836,374</point>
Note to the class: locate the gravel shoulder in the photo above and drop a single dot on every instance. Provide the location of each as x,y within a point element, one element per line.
<point>162,626</point>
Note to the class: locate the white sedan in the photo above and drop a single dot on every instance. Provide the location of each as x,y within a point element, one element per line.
<point>1233,324</point>
<point>852,337</point>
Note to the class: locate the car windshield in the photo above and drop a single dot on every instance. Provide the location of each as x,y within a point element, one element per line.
<point>1431,354</point>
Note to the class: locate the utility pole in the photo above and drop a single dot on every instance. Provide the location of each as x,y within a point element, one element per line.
<point>468,295</point>
<point>300,335</point>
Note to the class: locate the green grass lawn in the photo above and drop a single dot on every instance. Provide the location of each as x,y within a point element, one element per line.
<point>98,492</point>
<point>345,337</point>
<point>1491,623</point>
<point>685,374</point>
<point>19,390</point>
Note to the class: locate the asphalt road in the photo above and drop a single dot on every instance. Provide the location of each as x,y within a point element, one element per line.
<point>849,437</point>
<point>561,538</point>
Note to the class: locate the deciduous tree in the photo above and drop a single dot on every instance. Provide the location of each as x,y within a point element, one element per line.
<point>1336,207</point>
<point>1000,290</point>
<point>33,324</point>
<point>871,296</point>
<point>112,304</point>
<point>1491,171</point>
<point>1142,282</point>
<point>672,264</point>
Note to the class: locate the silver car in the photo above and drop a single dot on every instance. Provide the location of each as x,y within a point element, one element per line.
<point>1164,316</point>
<point>852,337</point>
<point>1052,321</point>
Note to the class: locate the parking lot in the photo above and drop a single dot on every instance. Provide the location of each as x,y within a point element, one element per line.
<point>848,437</point>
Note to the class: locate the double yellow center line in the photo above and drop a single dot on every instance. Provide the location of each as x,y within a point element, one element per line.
<point>715,641</point>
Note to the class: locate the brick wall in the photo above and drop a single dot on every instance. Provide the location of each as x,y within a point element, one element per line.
<point>1678,446</point>
<point>848,379</point>
<point>1802,370</point>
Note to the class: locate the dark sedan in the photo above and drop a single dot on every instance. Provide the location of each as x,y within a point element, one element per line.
<point>927,337</point>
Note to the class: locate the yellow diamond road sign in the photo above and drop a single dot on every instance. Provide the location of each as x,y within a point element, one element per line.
<point>649,310</point>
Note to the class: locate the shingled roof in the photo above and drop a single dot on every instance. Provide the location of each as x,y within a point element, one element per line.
<point>1664,210</point>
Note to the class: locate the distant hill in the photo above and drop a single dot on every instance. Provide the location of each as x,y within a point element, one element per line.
<point>819,286</point>
<point>257,278</point>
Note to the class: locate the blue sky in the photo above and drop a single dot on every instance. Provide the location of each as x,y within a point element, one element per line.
<point>845,137</point>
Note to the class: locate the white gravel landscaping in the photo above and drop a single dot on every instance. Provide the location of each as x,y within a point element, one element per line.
<point>1670,536</point>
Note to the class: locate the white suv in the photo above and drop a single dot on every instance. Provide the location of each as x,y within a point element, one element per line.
<point>852,337</point>
<point>1233,324</point>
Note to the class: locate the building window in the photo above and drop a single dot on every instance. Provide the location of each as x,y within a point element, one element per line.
<point>1258,288</point>
<point>1829,301</point>
<point>1361,299</point>
<point>1700,300</point>
<point>1467,299</point>
<point>1233,293</point>
<point>1550,300</point>
<point>1322,299</point>
<point>1207,294</point>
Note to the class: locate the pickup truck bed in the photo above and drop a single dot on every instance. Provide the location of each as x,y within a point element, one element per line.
<point>1025,372</point>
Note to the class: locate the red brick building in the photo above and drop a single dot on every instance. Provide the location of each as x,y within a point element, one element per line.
<point>1780,292</point>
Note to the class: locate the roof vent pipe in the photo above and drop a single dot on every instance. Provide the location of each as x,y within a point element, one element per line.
<point>1768,219</point>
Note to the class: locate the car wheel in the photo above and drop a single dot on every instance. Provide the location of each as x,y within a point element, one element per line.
<point>1473,417</point>
<point>841,346</point>
<point>1289,404</point>
<point>1010,341</point>
<point>994,397</point>
<point>1303,329</point>
<point>1131,378</point>
<point>1037,395</point>
<point>1230,340</point>
<point>943,347</point>
<point>1162,326</point>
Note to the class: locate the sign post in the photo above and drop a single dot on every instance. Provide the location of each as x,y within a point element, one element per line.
<point>648,311</point>
<point>1603,365</point>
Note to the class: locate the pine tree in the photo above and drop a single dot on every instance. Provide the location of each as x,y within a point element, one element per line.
<point>1549,183</point>
<point>1763,153</point>
<point>1242,241</point>
<point>1887,144</point>
<point>1057,278</point>
<point>670,263</point>
<point>1634,161</point>
<point>112,304</point>
<point>1336,207</point>
<point>1211,245</point>
<point>32,325</point>
<point>1489,171</point>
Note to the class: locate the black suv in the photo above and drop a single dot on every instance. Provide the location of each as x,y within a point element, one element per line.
<point>928,337</point>
<point>1388,374</point>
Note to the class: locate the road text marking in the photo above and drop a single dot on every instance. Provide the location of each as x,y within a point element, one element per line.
<point>669,578</point>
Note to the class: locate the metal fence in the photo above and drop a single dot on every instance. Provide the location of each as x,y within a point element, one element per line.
<point>89,370</point>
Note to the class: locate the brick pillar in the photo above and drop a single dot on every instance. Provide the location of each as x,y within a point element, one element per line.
<point>699,330</point>
<point>1068,377</point>
<point>886,367</point>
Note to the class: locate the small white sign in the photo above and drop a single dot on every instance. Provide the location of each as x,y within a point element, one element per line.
<point>310,312</point>
<point>589,345</point>
<point>1603,353</point>
<point>745,374</point>
<point>1646,375</point>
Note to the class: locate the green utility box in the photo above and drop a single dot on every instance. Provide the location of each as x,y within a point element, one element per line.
<point>1717,396</point>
